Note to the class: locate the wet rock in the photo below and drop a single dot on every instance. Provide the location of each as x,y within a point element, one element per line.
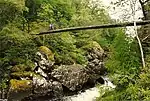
<point>42,61</point>
<point>71,76</point>
<point>41,72</point>
<point>19,89</point>
<point>57,89</point>
<point>45,90</point>
<point>41,85</point>
<point>97,68</point>
<point>95,59</point>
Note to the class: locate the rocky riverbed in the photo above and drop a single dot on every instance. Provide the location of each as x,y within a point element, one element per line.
<point>48,81</point>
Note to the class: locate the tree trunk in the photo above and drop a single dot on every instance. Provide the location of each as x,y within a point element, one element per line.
<point>142,3</point>
<point>140,45</point>
<point>143,10</point>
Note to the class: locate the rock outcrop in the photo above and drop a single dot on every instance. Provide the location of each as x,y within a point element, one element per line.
<point>19,89</point>
<point>48,81</point>
<point>95,59</point>
<point>71,76</point>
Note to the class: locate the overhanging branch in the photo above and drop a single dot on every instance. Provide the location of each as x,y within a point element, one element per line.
<point>96,27</point>
<point>146,1</point>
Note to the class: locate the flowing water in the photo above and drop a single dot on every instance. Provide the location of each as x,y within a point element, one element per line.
<point>90,94</point>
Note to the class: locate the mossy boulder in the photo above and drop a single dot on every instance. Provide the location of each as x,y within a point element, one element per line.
<point>19,89</point>
<point>95,56</point>
<point>92,46</point>
<point>21,75</point>
<point>93,51</point>
<point>45,50</point>
<point>19,85</point>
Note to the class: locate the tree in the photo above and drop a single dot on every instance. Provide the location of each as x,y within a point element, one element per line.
<point>10,11</point>
<point>143,8</point>
<point>131,13</point>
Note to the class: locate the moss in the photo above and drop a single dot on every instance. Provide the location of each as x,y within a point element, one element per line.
<point>19,85</point>
<point>22,74</point>
<point>27,66</point>
<point>47,51</point>
<point>18,68</point>
<point>92,45</point>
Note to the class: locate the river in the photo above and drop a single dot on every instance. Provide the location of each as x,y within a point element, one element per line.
<point>92,93</point>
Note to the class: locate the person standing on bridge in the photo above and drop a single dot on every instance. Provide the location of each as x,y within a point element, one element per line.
<point>51,27</point>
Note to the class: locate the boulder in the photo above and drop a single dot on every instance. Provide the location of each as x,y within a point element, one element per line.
<point>94,50</point>
<point>95,55</point>
<point>19,89</point>
<point>49,81</point>
<point>43,87</point>
<point>71,76</point>
<point>46,51</point>
<point>42,61</point>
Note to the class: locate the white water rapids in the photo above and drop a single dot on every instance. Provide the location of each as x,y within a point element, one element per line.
<point>90,94</point>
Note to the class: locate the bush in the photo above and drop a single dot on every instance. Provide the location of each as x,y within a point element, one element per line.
<point>15,43</point>
<point>124,68</point>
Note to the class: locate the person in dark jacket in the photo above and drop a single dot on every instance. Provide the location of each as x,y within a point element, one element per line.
<point>51,27</point>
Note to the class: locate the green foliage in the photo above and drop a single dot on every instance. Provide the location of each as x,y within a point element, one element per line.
<point>4,72</point>
<point>124,67</point>
<point>131,93</point>
<point>57,12</point>
<point>15,43</point>
<point>10,11</point>
<point>87,13</point>
<point>22,67</point>
<point>18,47</point>
<point>22,17</point>
<point>33,6</point>
<point>65,49</point>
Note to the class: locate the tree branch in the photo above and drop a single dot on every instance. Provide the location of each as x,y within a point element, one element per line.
<point>145,38</point>
<point>143,10</point>
<point>146,1</point>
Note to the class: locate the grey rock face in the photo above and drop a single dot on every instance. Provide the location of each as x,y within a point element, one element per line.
<point>95,61</point>
<point>41,85</point>
<point>57,89</point>
<point>43,62</point>
<point>71,76</point>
